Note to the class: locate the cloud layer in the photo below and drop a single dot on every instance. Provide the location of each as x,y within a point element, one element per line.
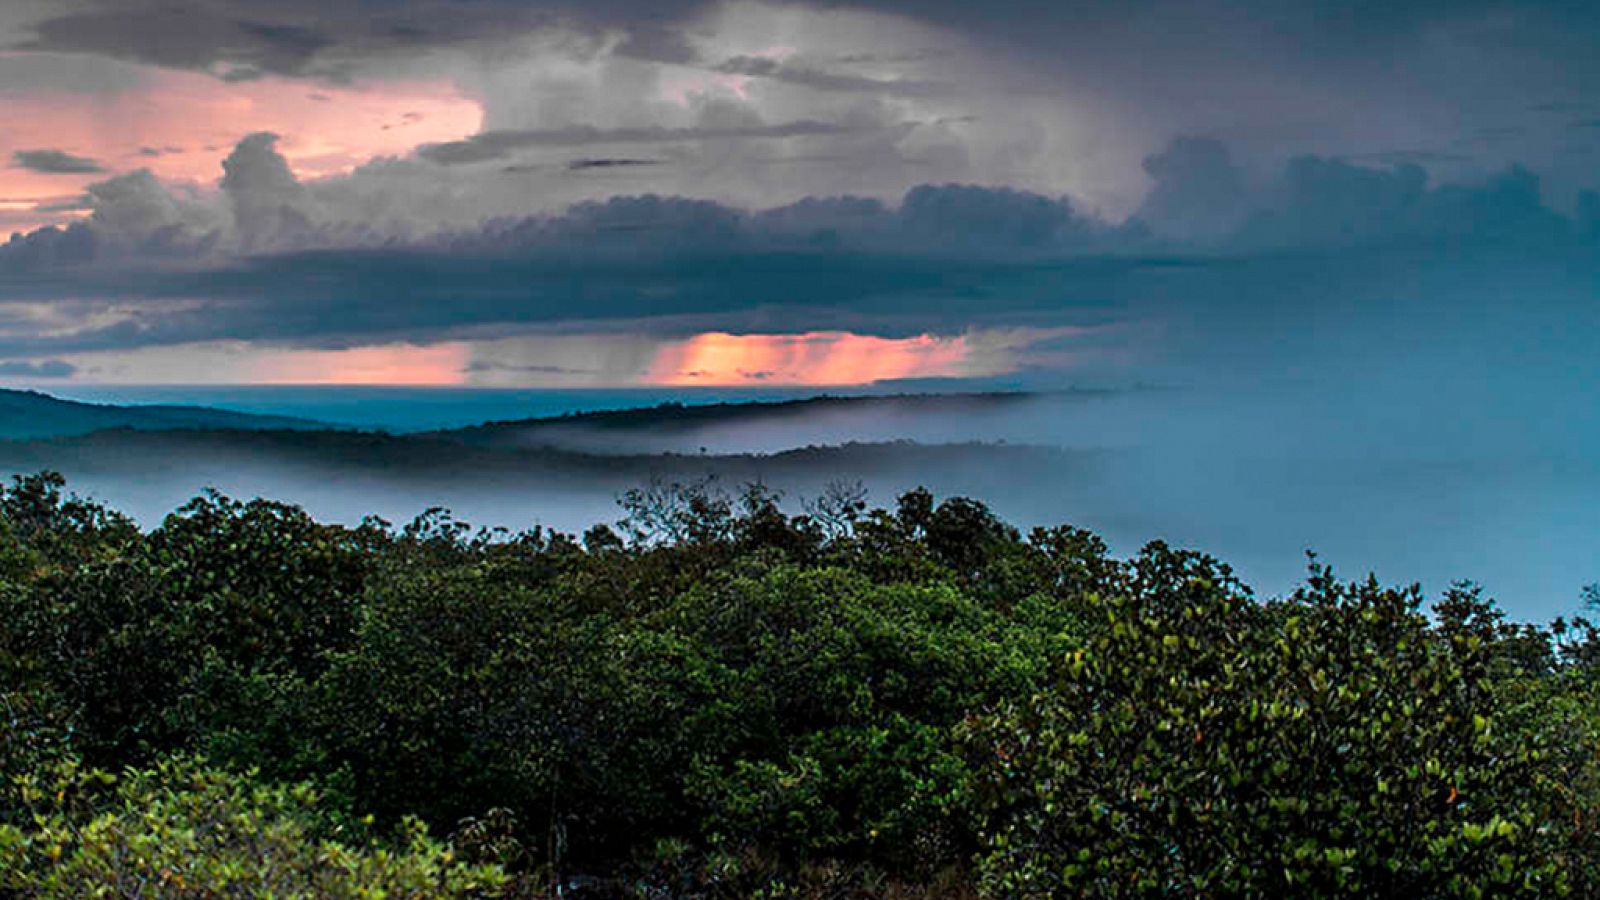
<point>427,171</point>
<point>266,258</point>
<point>55,162</point>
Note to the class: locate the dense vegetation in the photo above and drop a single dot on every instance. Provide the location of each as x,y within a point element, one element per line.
<point>720,699</point>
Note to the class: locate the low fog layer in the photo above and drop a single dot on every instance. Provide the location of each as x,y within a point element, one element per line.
<point>344,476</point>
<point>1429,416</point>
<point>1256,479</point>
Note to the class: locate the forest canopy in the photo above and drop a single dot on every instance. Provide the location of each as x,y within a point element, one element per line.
<point>718,696</point>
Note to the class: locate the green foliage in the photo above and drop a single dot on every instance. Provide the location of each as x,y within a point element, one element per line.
<point>180,830</point>
<point>1333,744</point>
<point>717,698</point>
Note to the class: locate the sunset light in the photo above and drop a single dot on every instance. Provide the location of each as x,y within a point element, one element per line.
<point>390,364</point>
<point>818,448</point>
<point>812,358</point>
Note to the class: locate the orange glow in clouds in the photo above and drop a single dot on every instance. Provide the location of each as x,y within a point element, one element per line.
<point>813,358</point>
<point>713,359</point>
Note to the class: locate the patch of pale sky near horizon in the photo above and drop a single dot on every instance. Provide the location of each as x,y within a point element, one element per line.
<point>592,360</point>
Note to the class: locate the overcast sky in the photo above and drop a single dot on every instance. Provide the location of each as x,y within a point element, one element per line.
<point>505,192</point>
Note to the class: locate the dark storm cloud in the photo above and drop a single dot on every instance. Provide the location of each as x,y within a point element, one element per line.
<point>580,165</point>
<point>945,258</point>
<point>45,251</point>
<point>245,39</point>
<point>1402,157</point>
<point>1328,203</point>
<point>50,368</point>
<point>55,162</point>
<point>947,255</point>
<point>1316,26</point>
<point>183,38</point>
<point>287,36</point>
<point>1199,192</point>
<point>498,145</point>
<point>360,296</point>
<point>960,221</point>
<point>1322,202</point>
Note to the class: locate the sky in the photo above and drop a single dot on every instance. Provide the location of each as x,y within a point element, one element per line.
<point>1340,259</point>
<point>509,193</point>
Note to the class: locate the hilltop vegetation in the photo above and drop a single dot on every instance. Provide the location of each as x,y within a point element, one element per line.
<point>667,426</point>
<point>30,415</point>
<point>716,698</point>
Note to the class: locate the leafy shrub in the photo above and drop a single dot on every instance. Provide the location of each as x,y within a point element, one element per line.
<point>181,830</point>
<point>1333,744</point>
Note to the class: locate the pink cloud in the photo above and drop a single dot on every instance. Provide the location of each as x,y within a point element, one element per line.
<point>180,125</point>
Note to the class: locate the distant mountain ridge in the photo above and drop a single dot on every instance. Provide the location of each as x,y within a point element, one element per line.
<point>670,417</point>
<point>31,415</point>
<point>28,415</point>
<point>351,473</point>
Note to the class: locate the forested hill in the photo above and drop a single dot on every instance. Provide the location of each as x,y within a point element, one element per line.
<point>558,470</point>
<point>26,415</point>
<point>670,417</point>
<point>396,459</point>
<point>713,698</point>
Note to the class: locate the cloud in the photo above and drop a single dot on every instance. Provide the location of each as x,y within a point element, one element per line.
<point>1327,203</point>
<point>1069,97</point>
<point>182,269</point>
<point>580,165</point>
<point>300,36</point>
<point>975,218</point>
<point>73,203</point>
<point>27,73</point>
<point>46,250</point>
<point>1402,157</point>
<point>183,38</point>
<point>264,258</point>
<point>498,145</point>
<point>1199,192</point>
<point>137,219</point>
<point>136,216</point>
<point>55,162</point>
<point>270,207</point>
<point>1201,198</point>
<point>805,75</point>
<point>50,368</point>
<point>240,40</point>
